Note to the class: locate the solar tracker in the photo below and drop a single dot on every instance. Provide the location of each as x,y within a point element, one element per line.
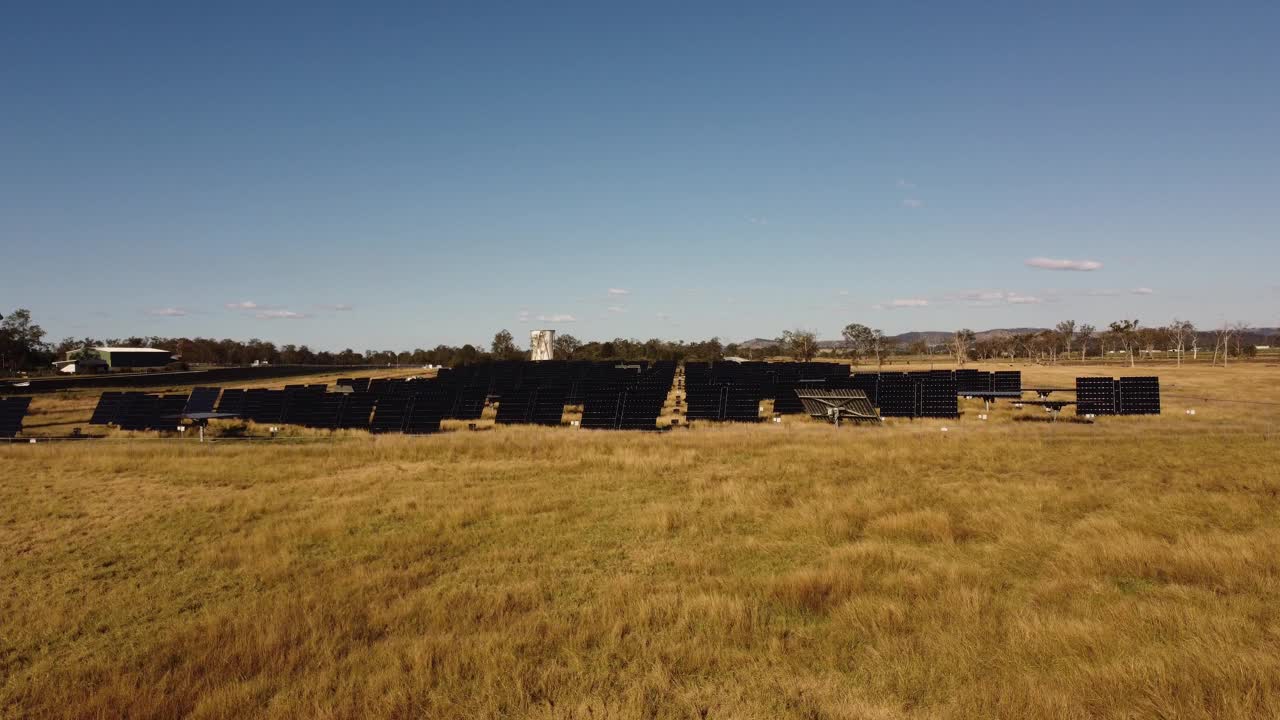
<point>869,384</point>
<point>139,411</point>
<point>469,402</point>
<point>532,404</point>
<point>169,410</point>
<point>12,410</point>
<point>323,412</point>
<point>836,404</point>
<point>897,395</point>
<point>202,400</point>
<point>1095,396</point>
<point>1139,396</point>
<point>786,402</point>
<point>264,406</point>
<point>725,402</point>
<point>360,385</point>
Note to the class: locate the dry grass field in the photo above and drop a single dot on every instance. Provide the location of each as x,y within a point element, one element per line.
<point>1003,569</point>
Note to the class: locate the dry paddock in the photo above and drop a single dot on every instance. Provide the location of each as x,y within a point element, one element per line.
<point>1002,569</point>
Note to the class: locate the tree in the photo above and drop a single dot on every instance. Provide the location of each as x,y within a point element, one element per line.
<point>504,346</point>
<point>22,343</point>
<point>1125,334</point>
<point>564,346</point>
<point>1067,331</point>
<point>1181,331</point>
<point>858,338</point>
<point>1083,334</point>
<point>960,343</point>
<point>802,344</point>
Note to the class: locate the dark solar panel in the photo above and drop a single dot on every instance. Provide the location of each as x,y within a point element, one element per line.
<point>232,402</point>
<point>868,383</point>
<point>389,414</point>
<point>1095,396</point>
<point>938,396</point>
<point>897,396</point>
<point>203,400</point>
<point>169,410</point>
<point>107,410</point>
<point>12,411</point>
<point>1006,381</point>
<point>356,412</point>
<point>264,406</point>
<point>469,402</point>
<point>537,404</point>
<point>139,411</point>
<point>1139,396</point>
<point>787,402</point>
<point>423,416</point>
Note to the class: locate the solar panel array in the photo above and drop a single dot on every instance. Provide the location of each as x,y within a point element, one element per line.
<point>12,411</point>
<point>724,391</point>
<point>533,404</point>
<point>202,400</point>
<point>629,404</point>
<point>1125,396</point>
<point>929,393</point>
<point>1139,395</point>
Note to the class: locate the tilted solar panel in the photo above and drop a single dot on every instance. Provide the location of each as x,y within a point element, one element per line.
<point>203,400</point>
<point>389,414</point>
<point>12,411</point>
<point>1095,396</point>
<point>1139,396</point>
<point>232,402</point>
<point>107,411</point>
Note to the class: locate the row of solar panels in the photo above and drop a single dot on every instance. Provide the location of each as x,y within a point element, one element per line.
<point>726,396</point>
<point>12,411</point>
<point>496,380</point>
<point>1123,396</point>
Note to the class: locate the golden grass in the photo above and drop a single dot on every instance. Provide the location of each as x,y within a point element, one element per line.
<point>1126,569</point>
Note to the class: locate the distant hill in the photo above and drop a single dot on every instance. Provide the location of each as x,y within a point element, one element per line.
<point>933,337</point>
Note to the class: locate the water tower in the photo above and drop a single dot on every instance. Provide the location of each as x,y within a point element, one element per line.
<point>541,344</point>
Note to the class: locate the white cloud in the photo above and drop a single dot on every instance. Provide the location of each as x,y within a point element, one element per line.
<point>337,307</point>
<point>557,318</point>
<point>616,309</point>
<point>663,316</point>
<point>1060,264</point>
<point>243,305</point>
<point>168,312</point>
<point>524,316</point>
<point>902,303</point>
<point>758,220</point>
<point>281,315</point>
<point>906,184</point>
<point>842,293</point>
<point>1016,299</point>
<point>1102,293</point>
<point>1143,291</point>
<point>618,292</point>
<point>913,203</point>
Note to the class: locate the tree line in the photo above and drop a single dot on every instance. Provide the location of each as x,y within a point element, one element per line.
<point>23,346</point>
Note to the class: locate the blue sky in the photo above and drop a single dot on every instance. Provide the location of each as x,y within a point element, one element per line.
<point>406,175</point>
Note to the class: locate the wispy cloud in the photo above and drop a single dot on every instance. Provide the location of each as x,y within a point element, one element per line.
<point>616,309</point>
<point>618,292</point>
<point>906,184</point>
<point>168,312</point>
<point>992,298</point>
<point>663,316</point>
<point>1016,299</point>
<point>525,316</point>
<point>902,303</point>
<point>842,293</point>
<point>913,203</point>
<point>242,305</point>
<point>281,315</point>
<point>758,220</point>
<point>557,318</point>
<point>338,307</point>
<point>1143,291</point>
<point>1045,263</point>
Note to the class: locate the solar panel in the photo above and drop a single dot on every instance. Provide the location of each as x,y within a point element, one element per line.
<point>324,411</point>
<point>786,402</point>
<point>869,384</point>
<point>107,410</point>
<point>1006,381</point>
<point>423,416</point>
<point>1139,396</point>
<point>532,404</point>
<point>359,385</point>
<point>938,396</point>
<point>12,410</point>
<point>139,411</point>
<point>232,402</point>
<point>389,414</point>
<point>264,406</point>
<point>469,402</point>
<point>1095,396</point>
<point>169,410</point>
<point>897,397</point>
<point>356,412</point>
<point>728,402</point>
<point>202,400</point>
<point>972,381</point>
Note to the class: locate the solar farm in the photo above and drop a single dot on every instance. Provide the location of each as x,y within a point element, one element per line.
<point>647,539</point>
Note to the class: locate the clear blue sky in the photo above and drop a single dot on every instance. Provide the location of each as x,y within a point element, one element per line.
<point>402,175</point>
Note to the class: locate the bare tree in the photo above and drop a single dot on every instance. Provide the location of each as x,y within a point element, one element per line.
<point>802,344</point>
<point>1180,331</point>
<point>1067,329</point>
<point>960,343</point>
<point>1083,334</point>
